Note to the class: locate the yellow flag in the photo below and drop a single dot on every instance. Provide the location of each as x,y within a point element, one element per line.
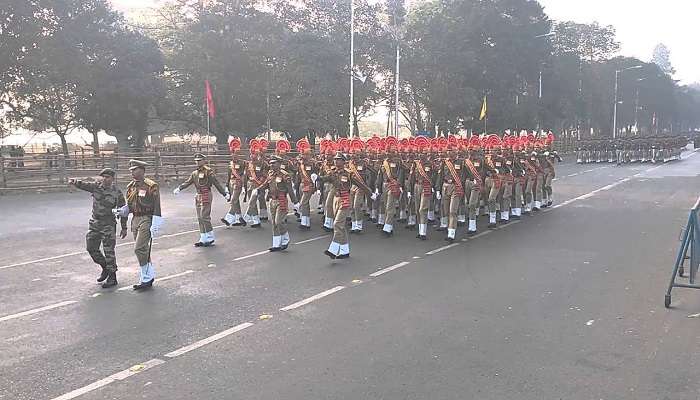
<point>483,110</point>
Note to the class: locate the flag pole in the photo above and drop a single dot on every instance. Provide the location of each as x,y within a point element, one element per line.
<point>352,69</point>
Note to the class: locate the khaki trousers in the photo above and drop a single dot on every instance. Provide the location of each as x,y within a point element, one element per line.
<point>450,204</point>
<point>203,214</point>
<point>256,203</point>
<point>141,228</point>
<point>340,229</point>
<point>305,204</point>
<point>235,208</point>
<point>278,218</point>
<point>473,196</point>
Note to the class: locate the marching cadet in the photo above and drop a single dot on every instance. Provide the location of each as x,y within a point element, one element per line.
<point>390,184</point>
<point>143,201</point>
<point>203,178</point>
<point>305,182</point>
<point>450,181</point>
<point>279,183</point>
<point>474,184</point>
<point>327,196</point>
<point>256,172</point>
<point>358,167</point>
<point>102,229</point>
<point>549,175</point>
<point>235,184</point>
<point>342,180</point>
<point>506,178</point>
<point>519,180</point>
<point>421,182</point>
<point>492,163</point>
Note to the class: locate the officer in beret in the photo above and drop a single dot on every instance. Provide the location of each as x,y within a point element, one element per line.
<point>102,228</point>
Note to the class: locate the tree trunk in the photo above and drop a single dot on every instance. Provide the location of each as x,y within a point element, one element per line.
<point>64,144</point>
<point>95,143</point>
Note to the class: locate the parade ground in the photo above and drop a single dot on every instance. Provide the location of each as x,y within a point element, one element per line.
<point>565,304</point>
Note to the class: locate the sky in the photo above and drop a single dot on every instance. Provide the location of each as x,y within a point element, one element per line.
<point>640,26</point>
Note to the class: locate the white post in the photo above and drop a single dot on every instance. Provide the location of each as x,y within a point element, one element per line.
<point>352,69</point>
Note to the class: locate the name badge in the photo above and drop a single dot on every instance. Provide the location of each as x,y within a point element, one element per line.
<point>343,178</point>
<point>427,169</point>
<point>201,175</point>
<point>392,165</point>
<point>142,192</point>
<point>498,164</point>
<point>508,162</point>
<point>476,164</point>
<point>533,159</point>
<point>308,168</point>
<point>278,179</point>
<point>257,168</point>
<point>237,166</point>
<point>283,166</point>
<point>458,167</point>
<point>360,168</point>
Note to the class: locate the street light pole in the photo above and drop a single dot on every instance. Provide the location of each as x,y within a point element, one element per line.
<point>352,69</point>
<point>614,132</point>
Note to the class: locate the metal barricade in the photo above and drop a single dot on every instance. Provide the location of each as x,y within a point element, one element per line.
<point>690,243</point>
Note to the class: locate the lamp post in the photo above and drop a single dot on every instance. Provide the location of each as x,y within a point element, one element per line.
<point>539,95</point>
<point>352,69</point>
<point>270,62</point>
<point>617,79</point>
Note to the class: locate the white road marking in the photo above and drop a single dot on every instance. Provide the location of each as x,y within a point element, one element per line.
<point>208,340</point>
<point>570,175</point>
<point>312,239</point>
<point>251,255</point>
<point>165,278</point>
<point>439,249</point>
<point>312,298</point>
<point>111,379</point>
<point>37,310</point>
<point>591,194</point>
<point>389,269</point>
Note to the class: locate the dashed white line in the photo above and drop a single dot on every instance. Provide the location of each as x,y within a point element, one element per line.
<point>210,339</point>
<point>251,255</point>
<point>37,310</point>
<point>439,249</point>
<point>111,379</point>
<point>165,278</point>
<point>312,298</point>
<point>389,269</point>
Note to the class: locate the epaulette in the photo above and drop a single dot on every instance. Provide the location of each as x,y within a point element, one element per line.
<point>150,182</point>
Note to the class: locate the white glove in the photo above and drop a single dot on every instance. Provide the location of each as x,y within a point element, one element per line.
<point>122,212</point>
<point>314,177</point>
<point>374,196</point>
<point>156,223</point>
<point>254,193</point>
<point>408,195</point>
<point>296,206</point>
<point>228,197</point>
<point>176,191</point>
<point>438,195</point>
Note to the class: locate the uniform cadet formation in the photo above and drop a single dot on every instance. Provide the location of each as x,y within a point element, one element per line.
<point>653,149</point>
<point>418,182</point>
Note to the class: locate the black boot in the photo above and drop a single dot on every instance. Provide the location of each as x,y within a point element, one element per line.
<point>111,281</point>
<point>144,285</point>
<point>104,275</point>
<point>331,255</point>
<point>223,220</point>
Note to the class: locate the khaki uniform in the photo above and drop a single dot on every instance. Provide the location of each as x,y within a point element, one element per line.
<point>143,199</point>
<point>341,181</point>
<point>256,172</point>
<point>390,180</point>
<point>306,186</point>
<point>357,195</point>
<point>102,228</point>
<point>474,186</point>
<point>236,184</point>
<point>451,179</point>
<point>422,180</point>
<point>203,179</point>
<point>279,184</point>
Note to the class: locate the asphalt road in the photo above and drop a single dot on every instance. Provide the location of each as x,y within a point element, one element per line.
<point>567,304</point>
